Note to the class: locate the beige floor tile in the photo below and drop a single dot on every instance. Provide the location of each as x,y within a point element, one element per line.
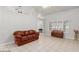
<point>45,44</point>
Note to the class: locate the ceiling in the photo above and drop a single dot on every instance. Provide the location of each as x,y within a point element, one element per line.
<point>52,9</point>
<point>46,11</point>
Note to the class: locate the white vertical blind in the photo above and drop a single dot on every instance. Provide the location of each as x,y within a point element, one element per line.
<point>57,25</point>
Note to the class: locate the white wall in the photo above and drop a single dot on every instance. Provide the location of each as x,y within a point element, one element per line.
<point>40,24</point>
<point>71,15</point>
<point>12,21</point>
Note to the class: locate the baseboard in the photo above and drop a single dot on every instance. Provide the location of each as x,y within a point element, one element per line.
<point>3,44</point>
<point>70,38</point>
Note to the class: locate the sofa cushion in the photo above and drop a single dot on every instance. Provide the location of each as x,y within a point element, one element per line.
<point>24,38</point>
<point>32,31</point>
<point>18,36</point>
<point>19,33</point>
<point>26,33</point>
<point>30,37</point>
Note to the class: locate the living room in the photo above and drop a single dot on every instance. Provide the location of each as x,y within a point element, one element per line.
<point>56,28</point>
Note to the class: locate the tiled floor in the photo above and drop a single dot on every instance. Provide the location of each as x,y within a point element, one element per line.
<point>45,44</point>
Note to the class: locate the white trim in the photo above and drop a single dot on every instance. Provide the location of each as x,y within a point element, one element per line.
<point>69,38</point>
<point>3,44</point>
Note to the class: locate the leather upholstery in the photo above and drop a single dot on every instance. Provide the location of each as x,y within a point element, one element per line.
<point>23,37</point>
<point>57,33</point>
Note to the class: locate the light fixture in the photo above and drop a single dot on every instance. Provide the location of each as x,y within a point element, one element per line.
<point>45,6</point>
<point>19,9</point>
<point>40,16</point>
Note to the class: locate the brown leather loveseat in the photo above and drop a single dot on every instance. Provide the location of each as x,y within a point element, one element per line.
<point>57,33</point>
<point>23,37</point>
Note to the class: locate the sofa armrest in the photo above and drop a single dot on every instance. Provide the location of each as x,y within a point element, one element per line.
<point>17,36</point>
<point>37,33</point>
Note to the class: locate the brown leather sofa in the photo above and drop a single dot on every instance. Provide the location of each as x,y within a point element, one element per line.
<point>57,33</point>
<point>23,37</point>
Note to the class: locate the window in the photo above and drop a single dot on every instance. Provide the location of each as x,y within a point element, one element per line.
<point>56,25</point>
